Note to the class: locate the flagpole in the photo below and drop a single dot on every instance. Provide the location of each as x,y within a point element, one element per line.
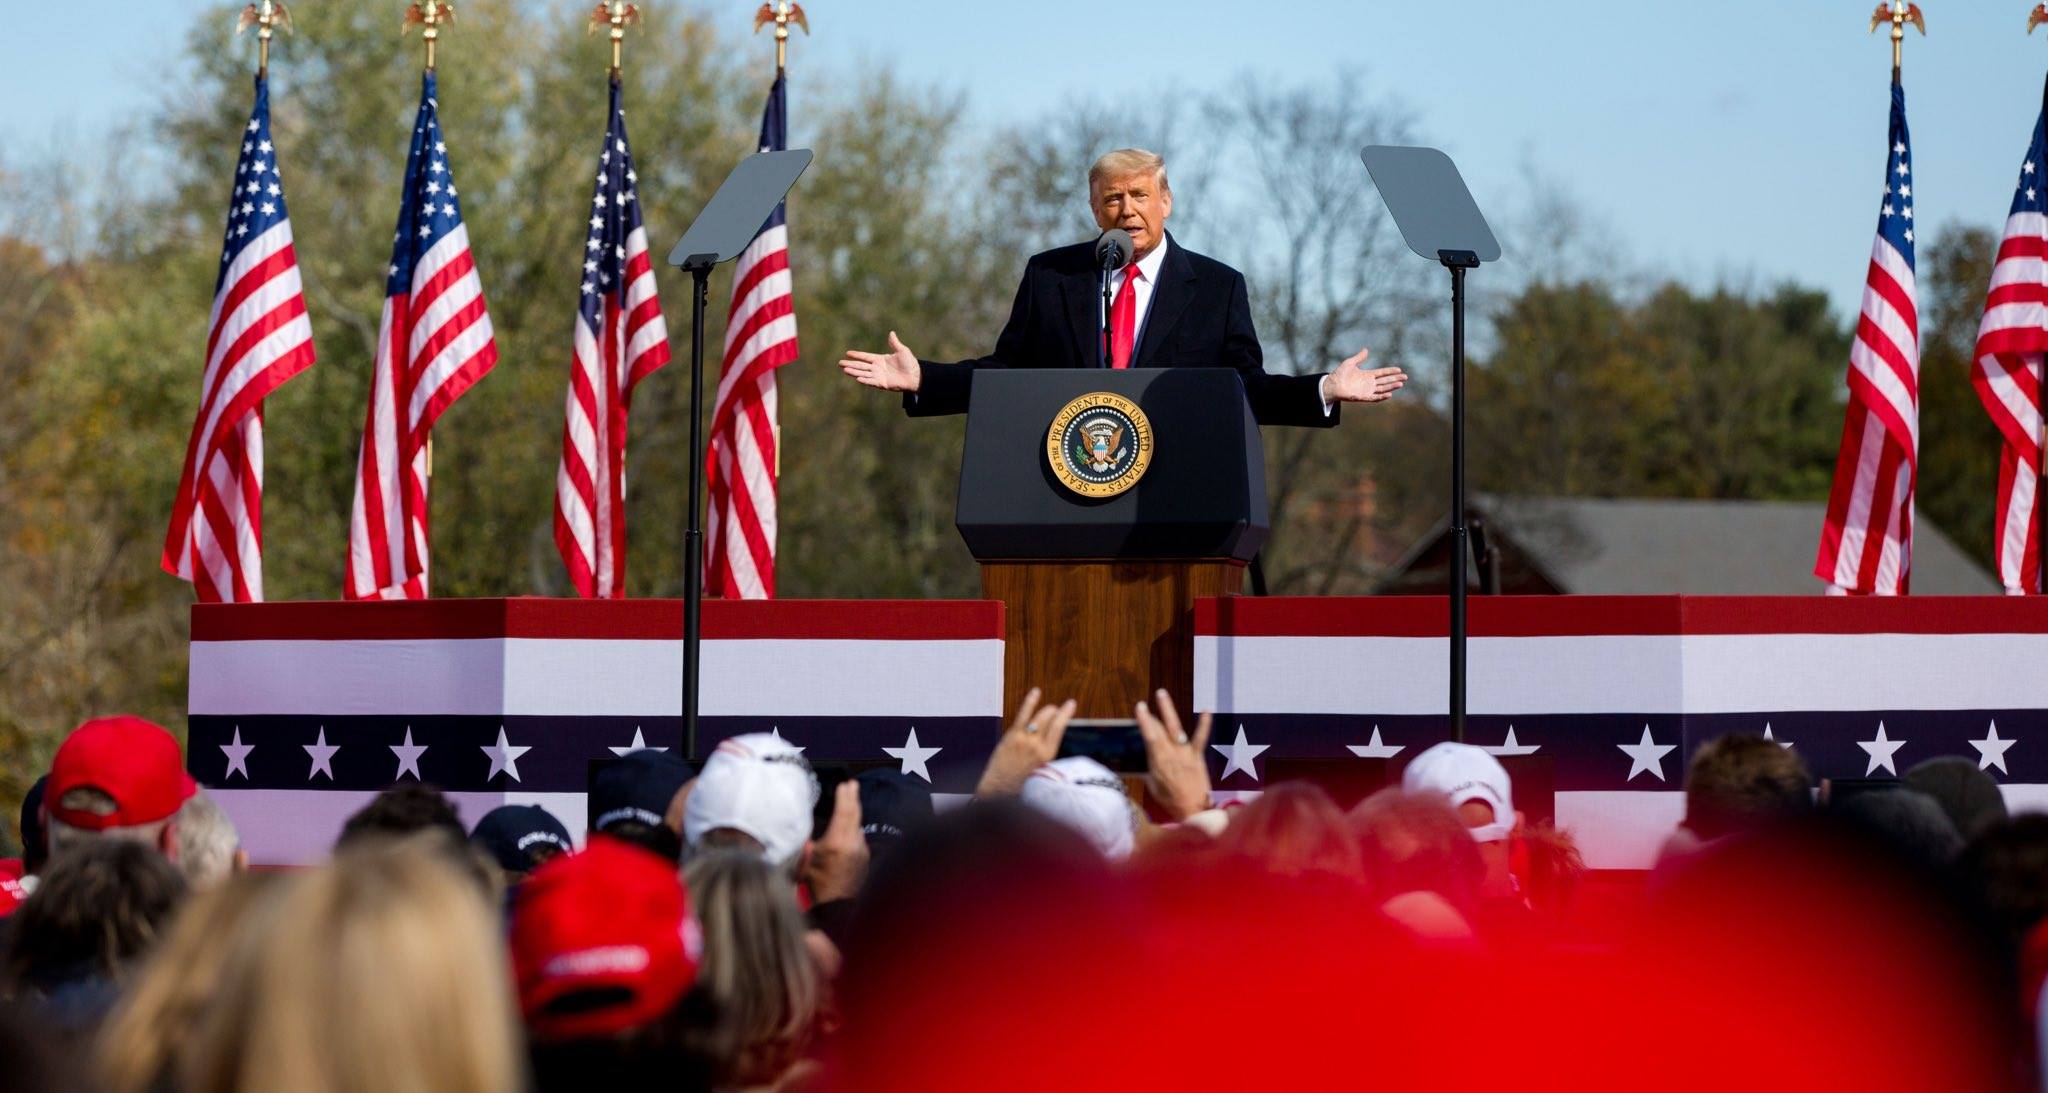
<point>428,15</point>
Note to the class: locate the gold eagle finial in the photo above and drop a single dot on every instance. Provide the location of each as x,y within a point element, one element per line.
<point>428,15</point>
<point>267,16</point>
<point>616,15</point>
<point>1898,13</point>
<point>2038,16</point>
<point>780,15</point>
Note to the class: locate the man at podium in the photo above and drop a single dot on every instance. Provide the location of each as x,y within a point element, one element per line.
<point>1170,307</point>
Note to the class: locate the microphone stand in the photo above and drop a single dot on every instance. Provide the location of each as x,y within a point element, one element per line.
<point>1104,350</point>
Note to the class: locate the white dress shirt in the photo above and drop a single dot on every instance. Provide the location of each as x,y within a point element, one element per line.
<point>1148,279</point>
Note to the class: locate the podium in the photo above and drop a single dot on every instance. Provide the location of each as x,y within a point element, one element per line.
<point>1099,567</point>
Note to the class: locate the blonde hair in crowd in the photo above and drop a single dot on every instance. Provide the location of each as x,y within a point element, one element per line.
<point>383,970</point>
<point>756,967</point>
<point>141,1043</point>
<point>1128,161</point>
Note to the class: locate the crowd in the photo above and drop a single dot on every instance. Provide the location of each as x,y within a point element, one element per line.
<point>744,927</point>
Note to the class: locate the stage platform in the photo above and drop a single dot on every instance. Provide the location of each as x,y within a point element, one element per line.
<point>301,712</point>
<point>1618,691</point>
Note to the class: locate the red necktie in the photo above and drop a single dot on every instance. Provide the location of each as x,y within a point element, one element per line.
<point>1123,320</point>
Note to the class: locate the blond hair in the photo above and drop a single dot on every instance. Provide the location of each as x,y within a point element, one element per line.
<point>757,967</point>
<point>140,1045</point>
<point>1128,161</point>
<point>382,970</point>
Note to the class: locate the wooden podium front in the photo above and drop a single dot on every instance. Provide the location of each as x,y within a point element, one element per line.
<point>1104,633</point>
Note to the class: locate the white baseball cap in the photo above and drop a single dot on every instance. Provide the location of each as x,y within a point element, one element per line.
<point>759,785</point>
<point>1461,773</point>
<point>1088,797</point>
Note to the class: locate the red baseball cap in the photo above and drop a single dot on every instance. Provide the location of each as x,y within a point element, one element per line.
<point>602,942</point>
<point>135,762</point>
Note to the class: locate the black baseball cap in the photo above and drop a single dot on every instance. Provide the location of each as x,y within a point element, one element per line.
<point>637,788</point>
<point>520,837</point>
<point>891,803</point>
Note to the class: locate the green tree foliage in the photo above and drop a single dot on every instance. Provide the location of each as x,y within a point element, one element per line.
<point>1958,444</point>
<point>1681,394</point>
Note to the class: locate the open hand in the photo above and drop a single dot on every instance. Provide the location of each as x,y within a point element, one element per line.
<point>1177,772</point>
<point>1031,741</point>
<point>1354,382</point>
<point>895,370</point>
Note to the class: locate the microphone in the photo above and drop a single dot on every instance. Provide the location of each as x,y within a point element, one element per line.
<point>1113,251</point>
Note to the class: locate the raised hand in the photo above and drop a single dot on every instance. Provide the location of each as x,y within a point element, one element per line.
<point>1177,774</point>
<point>1354,382</point>
<point>1031,741</point>
<point>839,858</point>
<point>895,370</point>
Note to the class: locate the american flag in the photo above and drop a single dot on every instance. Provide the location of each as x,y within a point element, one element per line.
<point>744,461</point>
<point>2007,373</point>
<point>620,338</point>
<point>257,338</point>
<point>433,343</point>
<point>1866,545</point>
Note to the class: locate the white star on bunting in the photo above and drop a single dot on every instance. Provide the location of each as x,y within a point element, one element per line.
<point>1767,735</point>
<point>504,756</point>
<point>1512,746</point>
<point>1646,756</point>
<point>408,756</point>
<point>322,754</point>
<point>1991,750</point>
<point>913,756</point>
<point>776,732</point>
<point>1881,752</point>
<point>639,744</point>
<point>238,755</point>
<point>1240,755</point>
<point>1375,748</point>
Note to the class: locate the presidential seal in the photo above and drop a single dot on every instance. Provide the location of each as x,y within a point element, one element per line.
<point>1099,444</point>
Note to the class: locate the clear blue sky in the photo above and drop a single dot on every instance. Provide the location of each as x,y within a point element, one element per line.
<point>1739,139</point>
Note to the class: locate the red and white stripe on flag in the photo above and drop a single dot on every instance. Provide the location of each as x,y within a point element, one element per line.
<point>2007,372</point>
<point>620,338</point>
<point>433,343</point>
<point>743,464</point>
<point>258,336</point>
<point>1866,545</point>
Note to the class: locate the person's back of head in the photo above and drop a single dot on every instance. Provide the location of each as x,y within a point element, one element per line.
<point>382,969</point>
<point>209,847</point>
<point>140,1047</point>
<point>115,778</point>
<point>520,839</point>
<point>758,969</point>
<point>1413,842</point>
<point>630,799</point>
<point>405,809</point>
<point>1294,829</point>
<point>99,907</point>
<point>757,785</point>
<point>605,953</point>
<point>2007,865</point>
<point>1969,795</point>
<point>1904,822</point>
<point>1739,783</point>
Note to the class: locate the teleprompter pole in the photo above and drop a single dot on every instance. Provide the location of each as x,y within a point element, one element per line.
<point>699,267</point>
<point>1458,261</point>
